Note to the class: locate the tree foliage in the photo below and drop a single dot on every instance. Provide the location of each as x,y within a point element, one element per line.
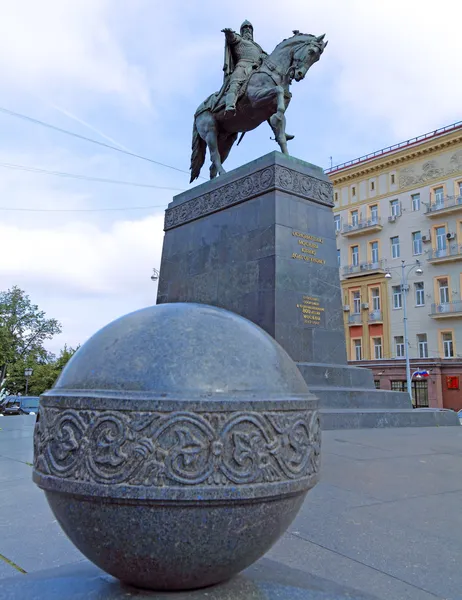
<point>24,328</point>
<point>44,373</point>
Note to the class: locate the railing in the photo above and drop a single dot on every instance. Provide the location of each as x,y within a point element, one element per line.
<point>355,319</point>
<point>361,224</point>
<point>399,146</point>
<point>446,307</point>
<point>364,267</point>
<point>446,202</point>
<point>375,315</point>
<point>450,250</point>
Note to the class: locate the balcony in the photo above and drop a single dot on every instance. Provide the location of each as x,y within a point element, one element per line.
<point>451,253</point>
<point>446,310</point>
<point>355,319</point>
<point>449,204</point>
<point>360,269</point>
<point>362,227</point>
<point>375,316</point>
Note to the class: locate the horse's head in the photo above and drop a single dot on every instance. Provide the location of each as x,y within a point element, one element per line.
<point>306,54</point>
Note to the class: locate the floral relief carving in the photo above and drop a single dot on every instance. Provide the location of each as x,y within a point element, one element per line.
<point>177,448</point>
<point>275,177</point>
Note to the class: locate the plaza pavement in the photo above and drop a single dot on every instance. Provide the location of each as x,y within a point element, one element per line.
<point>386,518</point>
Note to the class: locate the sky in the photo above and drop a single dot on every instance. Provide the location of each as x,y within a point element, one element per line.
<point>131,74</point>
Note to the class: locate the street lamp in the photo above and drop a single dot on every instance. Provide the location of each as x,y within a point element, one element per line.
<point>404,289</point>
<point>155,275</point>
<point>27,373</point>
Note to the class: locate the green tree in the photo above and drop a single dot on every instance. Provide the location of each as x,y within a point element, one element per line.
<point>45,372</point>
<point>23,330</point>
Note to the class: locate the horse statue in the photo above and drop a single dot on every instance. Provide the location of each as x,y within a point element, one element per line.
<point>264,96</point>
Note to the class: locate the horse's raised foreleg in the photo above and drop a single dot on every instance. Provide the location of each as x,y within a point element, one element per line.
<point>278,125</point>
<point>278,120</point>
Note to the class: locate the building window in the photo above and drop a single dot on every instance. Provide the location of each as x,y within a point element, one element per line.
<point>356,295</point>
<point>355,256</point>
<point>392,177</point>
<point>372,186</point>
<point>395,253</point>
<point>375,297</point>
<point>419,294</point>
<point>415,202</point>
<point>439,196</point>
<point>399,386</point>
<point>374,252</point>
<point>448,345</point>
<point>354,217</point>
<point>397,297</point>
<point>394,208</point>
<point>336,196</point>
<point>353,191</point>
<point>338,257</point>
<point>337,222</point>
<point>422,345</point>
<point>443,290</point>
<point>377,384</point>
<point>399,346</point>
<point>377,345</point>
<point>417,242</point>
<point>459,185</point>
<point>357,346</point>
<point>374,213</point>
<point>441,242</point>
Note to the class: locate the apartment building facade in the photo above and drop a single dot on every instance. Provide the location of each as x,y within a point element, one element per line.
<point>398,218</point>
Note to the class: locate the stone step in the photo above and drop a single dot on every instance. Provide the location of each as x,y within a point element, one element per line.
<point>324,374</point>
<point>369,418</point>
<point>348,397</point>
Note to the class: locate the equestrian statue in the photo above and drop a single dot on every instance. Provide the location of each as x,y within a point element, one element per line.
<point>255,89</point>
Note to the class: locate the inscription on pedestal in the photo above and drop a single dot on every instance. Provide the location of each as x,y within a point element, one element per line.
<point>312,311</point>
<point>308,245</point>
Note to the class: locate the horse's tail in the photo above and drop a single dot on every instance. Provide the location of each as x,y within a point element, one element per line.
<point>199,148</point>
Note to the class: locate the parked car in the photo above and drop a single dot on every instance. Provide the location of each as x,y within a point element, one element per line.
<point>10,407</point>
<point>29,405</point>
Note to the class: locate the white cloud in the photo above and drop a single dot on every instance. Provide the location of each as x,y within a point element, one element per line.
<point>52,48</point>
<point>80,274</point>
<point>397,63</point>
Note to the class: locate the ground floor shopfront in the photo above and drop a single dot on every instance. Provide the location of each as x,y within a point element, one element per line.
<point>441,389</point>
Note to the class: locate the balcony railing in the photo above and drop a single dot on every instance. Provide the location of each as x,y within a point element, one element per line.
<point>355,319</point>
<point>375,316</point>
<point>451,252</point>
<point>448,203</point>
<point>363,225</point>
<point>446,309</point>
<point>363,268</point>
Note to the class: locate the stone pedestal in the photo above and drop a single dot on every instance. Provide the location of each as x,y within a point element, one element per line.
<point>260,241</point>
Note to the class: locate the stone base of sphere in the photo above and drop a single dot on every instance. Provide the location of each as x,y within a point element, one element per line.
<point>177,446</point>
<point>174,546</point>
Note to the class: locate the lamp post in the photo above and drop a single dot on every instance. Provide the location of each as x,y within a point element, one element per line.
<point>155,275</point>
<point>404,289</point>
<point>28,372</point>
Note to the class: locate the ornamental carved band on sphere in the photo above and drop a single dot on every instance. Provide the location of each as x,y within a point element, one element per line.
<point>178,448</point>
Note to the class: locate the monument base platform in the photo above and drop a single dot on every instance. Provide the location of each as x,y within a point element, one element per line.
<point>266,580</point>
<point>260,242</point>
<point>348,400</point>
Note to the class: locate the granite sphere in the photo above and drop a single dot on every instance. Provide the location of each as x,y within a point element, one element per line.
<point>177,446</point>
